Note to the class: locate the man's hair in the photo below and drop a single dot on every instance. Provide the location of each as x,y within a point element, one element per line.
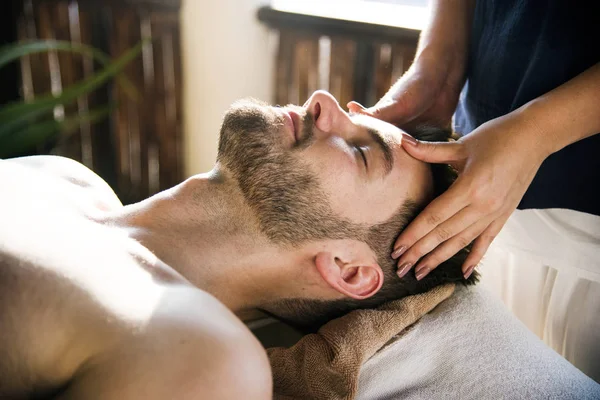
<point>308,315</point>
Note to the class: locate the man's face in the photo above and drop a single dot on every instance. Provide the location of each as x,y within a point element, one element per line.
<point>308,171</point>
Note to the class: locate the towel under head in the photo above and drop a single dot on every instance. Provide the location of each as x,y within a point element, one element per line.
<point>325,365</point>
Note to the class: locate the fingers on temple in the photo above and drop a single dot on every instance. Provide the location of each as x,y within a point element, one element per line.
<point>440,234</point>
<point>481,245</point>
<point>436,213</point>
<point>449,248</point>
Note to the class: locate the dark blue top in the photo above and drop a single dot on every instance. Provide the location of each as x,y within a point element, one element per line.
<point>519,50</point>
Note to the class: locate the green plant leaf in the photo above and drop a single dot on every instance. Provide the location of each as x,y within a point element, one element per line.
<point>15,115</point>
<point>15,51</point>
<point>28,138</point>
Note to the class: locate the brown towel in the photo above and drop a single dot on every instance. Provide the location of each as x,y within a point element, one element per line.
<point>325,365</point>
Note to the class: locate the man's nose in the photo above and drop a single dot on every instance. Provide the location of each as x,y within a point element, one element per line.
<point>329,116</point>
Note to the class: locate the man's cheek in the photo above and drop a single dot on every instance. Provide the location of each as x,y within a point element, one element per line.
<point>340,188</point>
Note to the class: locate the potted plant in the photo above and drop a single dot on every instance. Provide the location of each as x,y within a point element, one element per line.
<point>27,125</point>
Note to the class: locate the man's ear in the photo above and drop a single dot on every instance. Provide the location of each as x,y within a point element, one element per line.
<point>353,275</point>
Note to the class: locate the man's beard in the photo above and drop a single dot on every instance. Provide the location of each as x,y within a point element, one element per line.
<point>278,186</point>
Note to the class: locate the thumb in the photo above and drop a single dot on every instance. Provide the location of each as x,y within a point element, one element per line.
<point>408,98</point>
<point>356,107</point>
<point>433,152</point>
<point>394,111</point>
<point>386,110</point>
<point>391,111</point>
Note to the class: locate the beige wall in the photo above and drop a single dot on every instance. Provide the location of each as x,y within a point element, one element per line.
<point>227,55</point>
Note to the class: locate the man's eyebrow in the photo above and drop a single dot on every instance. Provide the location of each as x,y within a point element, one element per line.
<point>385,149</point>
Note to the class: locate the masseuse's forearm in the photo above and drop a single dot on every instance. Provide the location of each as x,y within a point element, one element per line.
<point>567,114</point>
<point>446,38</point>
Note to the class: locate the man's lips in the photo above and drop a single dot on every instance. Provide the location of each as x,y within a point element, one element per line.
<point>292,122</point>
<point>296,121</point>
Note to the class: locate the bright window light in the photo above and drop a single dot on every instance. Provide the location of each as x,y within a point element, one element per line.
<point>411,14</point>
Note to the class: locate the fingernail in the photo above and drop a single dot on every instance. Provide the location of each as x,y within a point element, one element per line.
<point>398,252</point>
<point>404,268</point>
<point>469,271</point>
<point>409,139</point>
<point>422,273</point>
<point>420,267</point>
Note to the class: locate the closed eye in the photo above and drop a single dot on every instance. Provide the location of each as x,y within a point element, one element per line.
<point>362,154</point>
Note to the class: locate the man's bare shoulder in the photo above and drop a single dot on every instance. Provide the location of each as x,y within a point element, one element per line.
<point>193,347</point>
<point>119,334</point>
<point>71,171</point>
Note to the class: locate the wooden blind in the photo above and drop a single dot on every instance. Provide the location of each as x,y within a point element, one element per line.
<point>352,60</point>
<point>138,149</point>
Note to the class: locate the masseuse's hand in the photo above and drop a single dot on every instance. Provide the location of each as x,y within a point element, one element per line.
<point>496,164</point>
<point>427,93</point>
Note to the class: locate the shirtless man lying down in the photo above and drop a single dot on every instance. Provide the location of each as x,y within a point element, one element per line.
<point>297,219</point>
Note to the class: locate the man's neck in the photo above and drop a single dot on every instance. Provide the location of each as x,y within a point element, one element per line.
<point>203,230</point>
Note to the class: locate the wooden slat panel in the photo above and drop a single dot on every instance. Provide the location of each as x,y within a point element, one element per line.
<point>383,70</point>
<point>69,74</point>
<point>141,116</point>
<point>44,65</point>
<point>410,50</point>
<point>122,116</point>
<point>170,101</point>
<point>160,115</point>
<point>102,135</point>
<point>364,73</point>
<point>167,6</point>
<point>285,61</point>
<point>305,69</point>
<point>147,125</point>
<point>179,106</point>
<point>324,62</point>
<point>83,27</point>
<point>403,55</point>
<point>342,69</point>
<point>39,62</point>
<point>26,68</point>
<point>165,104</point>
